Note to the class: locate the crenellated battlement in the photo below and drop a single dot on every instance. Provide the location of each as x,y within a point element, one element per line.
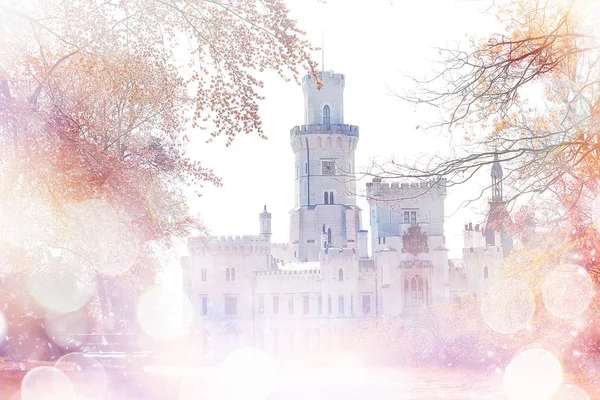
<point>278,272</point>
<point>320,129</point>
<point>332,253</point>
<point>405,189</point>
<point>249,244</point>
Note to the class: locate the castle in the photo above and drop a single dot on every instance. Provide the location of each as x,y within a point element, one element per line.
<point>287,298</point>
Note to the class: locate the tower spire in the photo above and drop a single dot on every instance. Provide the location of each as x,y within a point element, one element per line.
<point>497,175</point>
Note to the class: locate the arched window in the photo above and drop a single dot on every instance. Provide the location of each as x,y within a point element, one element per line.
<point>340,275</point>
<point>227,274</point>
<point>338,142</point>
<point>327,117</point>
<point>329,236</point>
<point>233,274</point>
<point>341,305</point>
<point>417,291</point>
<point>331,198</point>
<point>328,143</point>
<point>326,198</point>
<point>329,305</point>
<point>485,272</point>
<point>319,142</point>
<point>203,273</point>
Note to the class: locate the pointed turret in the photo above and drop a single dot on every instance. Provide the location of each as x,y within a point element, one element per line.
<point>498,218</point>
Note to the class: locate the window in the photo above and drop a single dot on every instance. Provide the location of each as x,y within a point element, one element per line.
<point>326,198</point>
<point>305,304</point>
<point>340,274</point>
<point>261,305</point>
<point>203,274</point>
<point>233,274</point>
<point>320,301</point>
<point>417,292</point>
<point>275,305</point>
<point>413,217</point>
<point>341,305</point>
<point>331,198</point>
<point>227,278</point>
<point>329,305</point>
<point>485,273</point>
<point>406,217</point>
<point>230,305</point>
<point>327,117</point>
<point>366,304</point>
<point>291,305</point>
<point>204,304</point>
<point>329,237</point>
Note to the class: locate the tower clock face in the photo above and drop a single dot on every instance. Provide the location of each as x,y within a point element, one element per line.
<point>328,167</point>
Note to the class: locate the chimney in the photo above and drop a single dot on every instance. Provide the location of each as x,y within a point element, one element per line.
<point>363,251</point>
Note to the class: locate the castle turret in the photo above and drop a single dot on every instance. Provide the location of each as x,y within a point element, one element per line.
<point>325,189</point>
<point>265,224</point>
<point>498,218</point>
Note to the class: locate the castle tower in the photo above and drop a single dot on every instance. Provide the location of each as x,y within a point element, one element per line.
<point>265,224</point>
<point>325,188</point>
<point>496,232</point>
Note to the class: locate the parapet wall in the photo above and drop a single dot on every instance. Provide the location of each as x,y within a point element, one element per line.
<point>405,189</point>
<point>250,244</point>
<point>319,129</point>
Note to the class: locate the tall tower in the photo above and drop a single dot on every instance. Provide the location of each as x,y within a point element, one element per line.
<point>498,217</point>
<point>325,188</point>
<point>265,223</point>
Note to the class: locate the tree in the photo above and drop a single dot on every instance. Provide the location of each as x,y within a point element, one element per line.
<point>96,99</point>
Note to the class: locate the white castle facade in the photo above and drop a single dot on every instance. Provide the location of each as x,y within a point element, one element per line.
<point>288,298</point>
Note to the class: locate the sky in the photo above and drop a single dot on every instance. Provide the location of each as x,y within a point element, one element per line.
<point>374,43</point>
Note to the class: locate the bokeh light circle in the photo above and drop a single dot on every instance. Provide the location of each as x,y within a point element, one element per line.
<point>567,291</point>
<point>533,374</point>
<point>569,391</point>
<point>508,306</point>
<point>59,280</point>
<point>47,383</point>
<point>87,375</point>
<point>252,370</point>
<point>164,314</point>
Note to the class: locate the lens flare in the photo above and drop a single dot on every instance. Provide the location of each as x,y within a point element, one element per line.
<point>508,306</point>
<point>534,374</point>
<point>88,376</point>
<point>164,314</point>
<point>570,392</point>
<point>47,383</point>
<point>60,281</point>
<point>567,291</point>
<point>253,371</point>
<point>62,329</point>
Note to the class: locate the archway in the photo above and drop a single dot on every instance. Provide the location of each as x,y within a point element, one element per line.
<point>231,338</point>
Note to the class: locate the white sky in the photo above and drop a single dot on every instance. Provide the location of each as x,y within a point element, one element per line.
<point>372,42</point>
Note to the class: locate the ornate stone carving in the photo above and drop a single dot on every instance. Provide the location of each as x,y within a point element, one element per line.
<point>414,241</point>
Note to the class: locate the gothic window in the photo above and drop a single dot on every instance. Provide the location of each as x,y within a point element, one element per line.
<point>204,300</point>
<point>340,275</point>
<point>291,305</point>
<point>320,301</point>
<point>227,277</point>
<point>261,305</point>
<point>485,272</point>
<point>326,198</point>
<point>338,142</point>
<point>331,198</point>
<point>413,217</point>
<point>305,304</point>
<point>417,291</point>
<point>275,305</point>
<point>329,305</point>
<point>329,237</point>
<point>203,274</point>
<point>406,217</point>
<point>230,305</point>
<point>327,117</point>
<point>329,143</point>
<point>341,305</point>
<point>319,142</point>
